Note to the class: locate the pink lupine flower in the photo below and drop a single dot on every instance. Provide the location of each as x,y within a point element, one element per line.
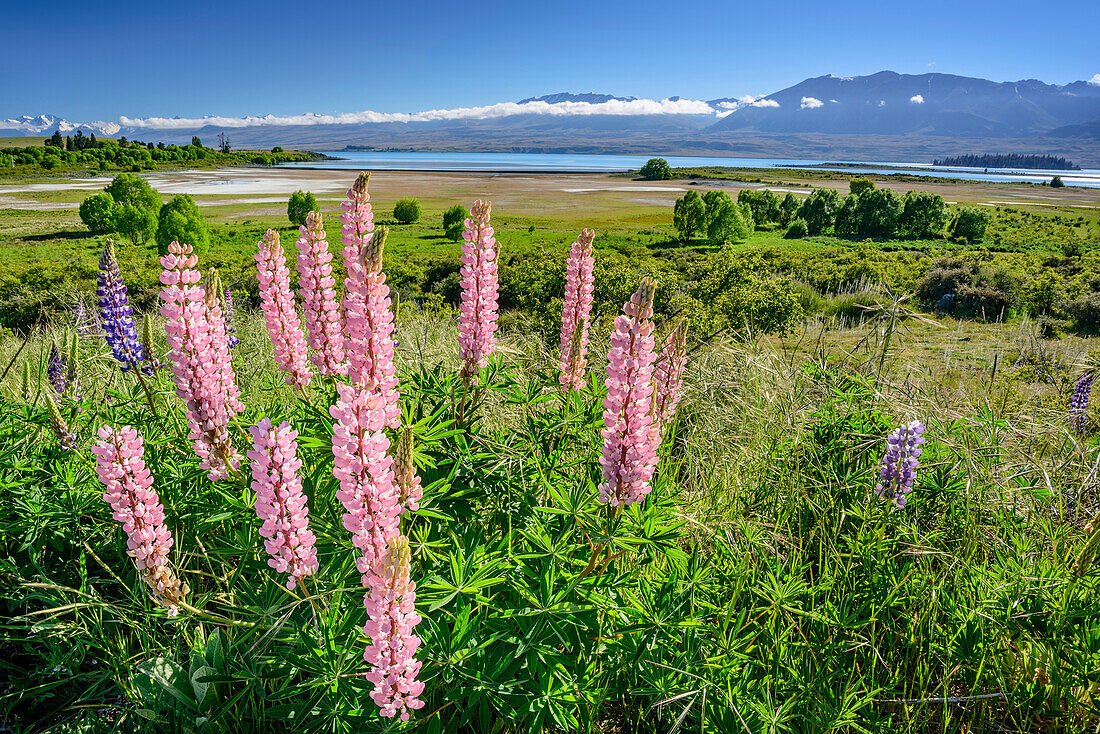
<point>629,443</point>
<point>477,320</point>
<point>408,482</point>
<point>280,314</point>
<point>357,221</point>
<point>201,367</point>
<point>317,286</point>
<point>280,502</point>
<point>120,466</point>
<point>369,326</point>
<point>391,611</point>
<point>575,310</point>
<point>668,374</point>
<point>363,467</point>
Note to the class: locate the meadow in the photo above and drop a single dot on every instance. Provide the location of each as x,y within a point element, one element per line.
<point>762,585</point>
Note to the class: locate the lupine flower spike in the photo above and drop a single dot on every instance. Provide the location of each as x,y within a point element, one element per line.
<point>899,465</point>
<point>65,437</point>
<point>317,287</point>
<point>668,373</point>
<point>629,445</point>
<point>201,367</point>
<point>280,314</point>
<point>575,311</point>
<point>390,604</point>
<point>408,482</point>
<point>369,324</point>
<point>57,371</point>
<point>280,502</point>
<point>120,465</point>
<point>477,320</point>
<point>116,315</point>
<point>1079,404</point>
<point>148,344</point>
<point>357,221</point>
<point>230,319</point>
<point>84,322</point>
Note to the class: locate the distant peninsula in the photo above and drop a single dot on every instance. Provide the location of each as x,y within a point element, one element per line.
<point>1010,160</point>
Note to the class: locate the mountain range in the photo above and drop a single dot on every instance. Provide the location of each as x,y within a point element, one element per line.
<point>858,117</point>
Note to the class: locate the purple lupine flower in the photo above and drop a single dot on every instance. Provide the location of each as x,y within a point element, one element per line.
<point>1079,404</point>
<point>57,370</point>
<point>230,316</point>
<point>899,465</point>
<point>116,314</point>
<point>84,322</point>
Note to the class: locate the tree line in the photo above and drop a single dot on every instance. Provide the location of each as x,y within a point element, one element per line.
<point>1008,160</point>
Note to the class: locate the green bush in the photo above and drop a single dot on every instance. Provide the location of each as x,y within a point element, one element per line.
<point>128,188</point>
<point>860,185</point>
<point>689,215</point>
<point>797,230</point>
<point>655,169</point>
<point>969,223</point>
<point>819,210</point>
<point>181,221</point>
<point>454,222</point>
<point>98,213</point>
<point>406,211</point>
<point>135,223</point>
<point>923,214</point>
<point>300,204</point>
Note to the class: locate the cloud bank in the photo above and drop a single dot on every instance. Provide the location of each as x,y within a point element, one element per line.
<point>488,112</point>
<point>811,103</point>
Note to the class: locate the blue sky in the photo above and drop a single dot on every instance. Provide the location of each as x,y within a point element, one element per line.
<point>85,61</point>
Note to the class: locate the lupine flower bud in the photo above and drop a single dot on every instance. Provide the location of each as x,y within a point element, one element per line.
<point>1079,403</point>
<point>115,313</point>
<point>900,463</point>
<point>148,344</point>
<point>84,322</point>
<point>280,501</point>
<point>120,465</point>
<point>230,319</point>
<point>668,373</point>
<point>629,443</point>
<point>477,320</point>
<point>65,438</point>
<point>576,309</point>
<point>279,312</point>
<point>357,220</point>
<point>408,482</point>
<point>317,286</point>
<point>391,612</point>
<point>25,390</point>
<point>57,371</point>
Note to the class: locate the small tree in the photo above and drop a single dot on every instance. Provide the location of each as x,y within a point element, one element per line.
<point>797,230</point>
<point>788,209</point>
<point>689,215</point>
<point>181,221</point>
<point>1056,182</point>
<point>195,141</point>
<point>859,185</point>
<point>879,211</point>
<point>406,211</point>
<point>128,188</point>
<point>764,204</point>
<point>223,143</point>
<point>726,220</point>
<point>655,169</point>
<point>454,222</point>
<point>299,206</point>
<point>969,223</point>
<point>98,213</point>
<point>923,214</point>
<point>135,223</point>
<point>819,210</point>
<point>846,223</point>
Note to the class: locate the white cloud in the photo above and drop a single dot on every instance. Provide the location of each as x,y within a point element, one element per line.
<point>882,103</point>
<point>833,101</point>
<point>747,100</point>
<point>1095,81</point>
<point>765,103</point>
<point>502,109</point>
<point>811,103</point>
<point>917,99</point>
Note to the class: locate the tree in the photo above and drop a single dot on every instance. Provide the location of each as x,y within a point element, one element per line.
<point>689,215</point>
<point>98,213</point>
<point>135,223</point>
<point>879,211</point>
<point>969,223</point>
<point>454,222</point>
<point>223,143</point>
<point>656,169</point>
<point>846,223</point>
<point>406,211</point>
<point>299,206</point>
<point>726,221</point>
<point>819,210</point>
<point>195,141</point>
<point>923,214</point>
<point>859,185</point>
<point>181,221</point>
<point>55,140</point>
<point>127,188</point>
<point>1056,182</point>
<point>788,209</point>
<point>764,204</point>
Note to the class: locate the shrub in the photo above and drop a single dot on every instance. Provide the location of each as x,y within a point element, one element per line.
<point>726,220</point>
<point>406,211</point>
<point>797,230</point>
<point>689,215</point>
<point>299,206</point>
<point>878,212</point>
<point>965,290</point>
<point>923,214</point>
<point>741,295</point>
<point>454,222</point>
<point>181,221</point>
<point>763,203</point>
<point>655,169</point>
<point>135,223</point>
<point>860,185</point>
<point>1084,311</point>
<point>969,223</point>
<point>98,213</point>
<point>128,188</point>
<point>819,210</point>
<point>1056,182</point>
<point>788,208</point>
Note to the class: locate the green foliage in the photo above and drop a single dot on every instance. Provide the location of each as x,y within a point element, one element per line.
<point>299,206</point>
<point>406,211</point>
<point>453,222</point>
<point>1042,292</point>
<point>878,212</point>
<point>1056,182</point>
<point>798,230</point>
<point>923,214</point>
<point>128,188</point>
<point>970,224</point>
<point>135,223</point>
<point>968,290</point>
<point>788,208</point>
<point>655,169</point>
<point>181,221</point>
<point>689,215</point>
<point>726,220</point>
<point>819,210</point>
<point>763,203</point>
<point>98,213</point>
<point>860,185</point>
<point>738,294</point>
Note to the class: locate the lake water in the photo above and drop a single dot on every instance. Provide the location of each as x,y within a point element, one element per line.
<point>590,163</point>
